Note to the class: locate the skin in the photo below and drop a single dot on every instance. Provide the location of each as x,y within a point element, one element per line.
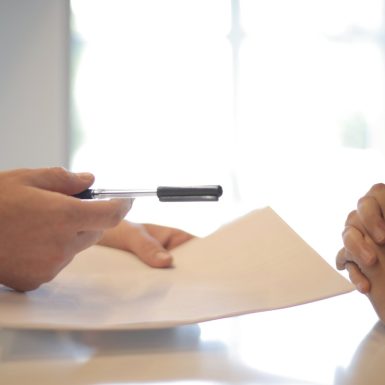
<point>363,254</point>
<point>150,243</point>
<point>42,227</point>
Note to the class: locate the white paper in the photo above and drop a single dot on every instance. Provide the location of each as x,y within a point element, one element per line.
<point>253,264</point>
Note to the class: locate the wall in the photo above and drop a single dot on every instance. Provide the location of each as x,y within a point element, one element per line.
<point>34,57</point>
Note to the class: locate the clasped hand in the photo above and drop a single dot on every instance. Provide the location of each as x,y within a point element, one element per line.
<point>363,254</point>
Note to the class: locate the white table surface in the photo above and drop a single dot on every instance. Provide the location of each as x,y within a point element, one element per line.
<point>334,341</point>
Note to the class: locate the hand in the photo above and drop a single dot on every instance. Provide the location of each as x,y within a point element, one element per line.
<point>358,252</point>
<point>151,243</point>
<point>371,210</point>
<point>369,278</point>
<point>364,229</point>
<point>42,228</point>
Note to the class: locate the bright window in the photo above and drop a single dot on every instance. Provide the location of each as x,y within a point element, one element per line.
<point>281,102</point>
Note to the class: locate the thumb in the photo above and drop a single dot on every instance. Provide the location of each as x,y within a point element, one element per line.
<point>58,179</point>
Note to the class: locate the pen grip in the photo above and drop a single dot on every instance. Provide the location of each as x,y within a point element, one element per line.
<point>86,194</point>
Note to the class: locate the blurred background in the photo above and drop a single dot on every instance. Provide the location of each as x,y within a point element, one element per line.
<point>281,102</point>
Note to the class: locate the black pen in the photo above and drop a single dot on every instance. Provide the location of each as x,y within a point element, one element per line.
<point>164,193</point>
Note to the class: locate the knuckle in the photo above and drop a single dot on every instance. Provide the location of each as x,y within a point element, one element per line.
<point>350,218</point>
<point>59,172</point>
<point>341,259</point>
<point>341,255</point>
<point>363,201</point>
<point>347,236</point>
<point>147,247</point>
<point>377,188</point>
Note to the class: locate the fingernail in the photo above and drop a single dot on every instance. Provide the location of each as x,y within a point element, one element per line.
<point>163,255</point>
<point>85,176</point>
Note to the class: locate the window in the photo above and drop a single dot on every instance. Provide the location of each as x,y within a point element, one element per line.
<point>281,102</point>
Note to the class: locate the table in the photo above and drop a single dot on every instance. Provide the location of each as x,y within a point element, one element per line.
<point>336,341</point>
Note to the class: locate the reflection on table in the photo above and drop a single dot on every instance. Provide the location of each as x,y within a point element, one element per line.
<point>333,342</point>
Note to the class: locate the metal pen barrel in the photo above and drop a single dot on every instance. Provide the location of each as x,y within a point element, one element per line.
<point>104,193</point>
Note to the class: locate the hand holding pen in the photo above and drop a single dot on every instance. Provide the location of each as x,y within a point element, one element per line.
<point>42,227</point>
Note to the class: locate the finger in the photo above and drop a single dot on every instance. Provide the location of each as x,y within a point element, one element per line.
<point>170,237</point>
<point>100,215</point>
<point>85,239</point>
<point>178,239</point>
<point>341,259</point>
<point>33,275</point>
<point>378,192</point>
<point>81,241</point>
<point>149,250</point>
<point>359,280</point>
<point>353,220</point>
<point>361,252</point>
<point>371,216</point>
<point>57,179</point>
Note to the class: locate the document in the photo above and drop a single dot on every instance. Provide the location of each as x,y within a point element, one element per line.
<point>255,263</point>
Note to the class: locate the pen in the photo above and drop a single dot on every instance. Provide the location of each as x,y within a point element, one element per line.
<point>164,193</point>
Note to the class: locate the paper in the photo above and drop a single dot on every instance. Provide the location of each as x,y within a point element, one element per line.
<point>253,264</point>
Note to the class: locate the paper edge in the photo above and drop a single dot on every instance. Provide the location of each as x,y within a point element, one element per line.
<point>164,324</point>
